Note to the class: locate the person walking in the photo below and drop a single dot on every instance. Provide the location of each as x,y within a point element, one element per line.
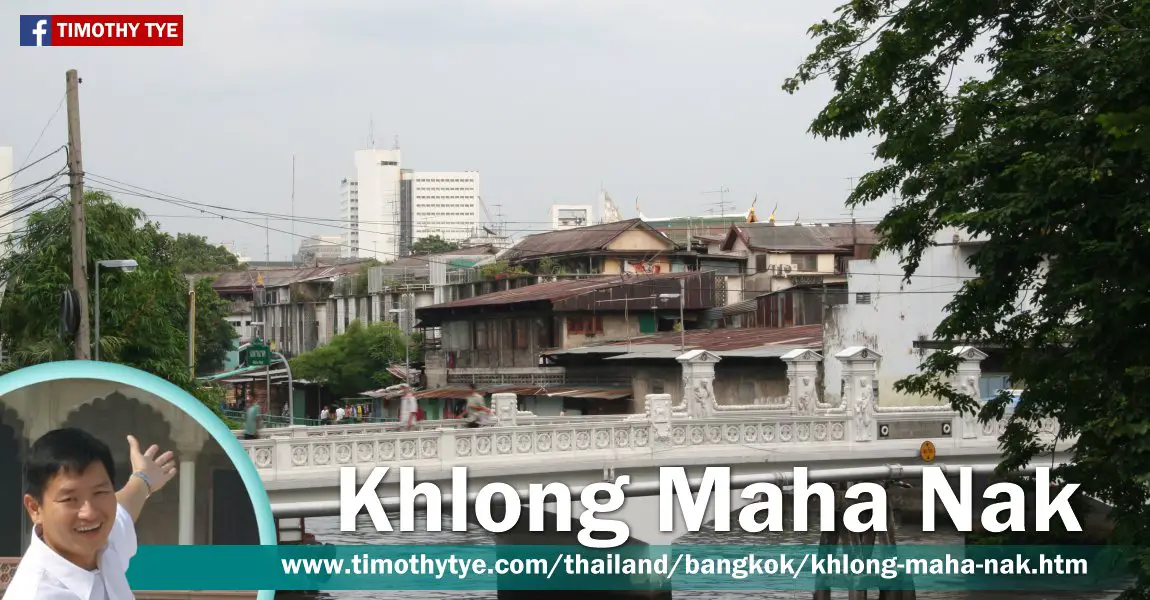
<point>408,408</point>
<point>252,421</point>
<point>477,409</point>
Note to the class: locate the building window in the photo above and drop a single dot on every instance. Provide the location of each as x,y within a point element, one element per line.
<point>522,333</point>
<point>481,335</point>
<point>862,298</point>
<point>760,263</point>
<point>584,325</point>
<point>806,263</point>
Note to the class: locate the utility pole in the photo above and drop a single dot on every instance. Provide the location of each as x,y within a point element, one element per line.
<point>192,327</point>
<point>82,342</point>
<point>292,240</point>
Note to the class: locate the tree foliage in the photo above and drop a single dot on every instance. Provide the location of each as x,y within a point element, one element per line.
<point>431,245</point>
<point>355,361</point>
<point>143,314</point>
<point>1045,157</point>
<point>189,253</point>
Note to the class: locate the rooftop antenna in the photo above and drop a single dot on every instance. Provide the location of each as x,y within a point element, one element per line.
<point>722,192</point>
<point>396,144</point>
<point>370,131</point>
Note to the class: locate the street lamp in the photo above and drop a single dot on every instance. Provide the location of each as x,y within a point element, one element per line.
<point>125,265</point>
<point>406,351</point>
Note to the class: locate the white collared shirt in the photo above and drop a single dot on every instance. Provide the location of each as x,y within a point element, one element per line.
<point>45,575</point>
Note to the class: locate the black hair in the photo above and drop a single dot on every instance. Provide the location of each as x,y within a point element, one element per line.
<point>65,450</point>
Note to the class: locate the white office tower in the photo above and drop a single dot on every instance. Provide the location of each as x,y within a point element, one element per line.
<point>373,205</point>
<point>349,212</point>
<point>6,223</point>
<point>570,216</point>
<point>446,204</point>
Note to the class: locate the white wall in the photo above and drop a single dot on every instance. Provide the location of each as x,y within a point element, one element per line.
<point>898,314</point>
<point>585,211</point>
<point>349,212</point>
<point>445,203</point>
<point>378,203</point>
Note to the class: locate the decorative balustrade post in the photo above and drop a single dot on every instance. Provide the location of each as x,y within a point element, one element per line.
<point>506,408</point>
<point>860,390</point>
<point>659,414</point>
<point>802,373</point>
<point>966,379</point>
<point>698,382</point>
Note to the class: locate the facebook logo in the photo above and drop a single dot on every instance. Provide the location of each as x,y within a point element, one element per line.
<point>35,30</point>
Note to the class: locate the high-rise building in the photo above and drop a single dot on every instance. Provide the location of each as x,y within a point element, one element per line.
<point>386,208</point>
<point>445,204</point>
<point>372,216</point>
<point>349,212</point>
<point>570,216</point>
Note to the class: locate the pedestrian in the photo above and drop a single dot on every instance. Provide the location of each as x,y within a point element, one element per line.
<point>252,421</point>
<point>408,408</point>
<point>84,531</point>
<point>477,409</point>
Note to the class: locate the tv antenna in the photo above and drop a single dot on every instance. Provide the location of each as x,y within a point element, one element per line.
<point>722,192</point>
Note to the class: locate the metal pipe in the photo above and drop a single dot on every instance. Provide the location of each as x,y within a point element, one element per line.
<point>291,387</point>
<point>328,508</point>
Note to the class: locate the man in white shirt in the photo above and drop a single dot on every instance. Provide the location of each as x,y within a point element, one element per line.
<point>339,414</point>
<point>84,531</point>
<point>408,407</point>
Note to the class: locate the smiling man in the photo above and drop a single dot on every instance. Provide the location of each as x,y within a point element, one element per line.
<point>85,530</point>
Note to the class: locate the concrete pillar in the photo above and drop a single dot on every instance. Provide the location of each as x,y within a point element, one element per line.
<point>802,373</point>
<point>187,529</point>
<point>966,379</point>
<point>860,390</point>
<point>659,412</point>
<point>699,382</point>
<point>506,408</point>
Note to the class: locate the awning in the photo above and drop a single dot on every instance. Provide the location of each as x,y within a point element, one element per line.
<point>240,371</point>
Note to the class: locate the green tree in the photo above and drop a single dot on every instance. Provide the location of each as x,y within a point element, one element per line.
<point>1046,157</point>
<point>188,253</point>
<point>355,361</point>
<point>143,314</point>
<point>432,244</point>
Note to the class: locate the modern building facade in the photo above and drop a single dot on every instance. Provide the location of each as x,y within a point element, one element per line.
<point>570,216</point>
<point>386,208</point>
<point>445,204</point>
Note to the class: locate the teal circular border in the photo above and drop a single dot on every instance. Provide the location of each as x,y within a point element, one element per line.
<point>90,369</point>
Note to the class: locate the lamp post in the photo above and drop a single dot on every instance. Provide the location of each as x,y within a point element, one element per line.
<point>125,265</point>
<point>406,351</point>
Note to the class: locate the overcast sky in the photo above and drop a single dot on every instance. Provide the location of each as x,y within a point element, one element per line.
<point>657,99</point>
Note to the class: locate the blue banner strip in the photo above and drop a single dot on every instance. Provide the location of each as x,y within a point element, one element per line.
<point>686,567</point>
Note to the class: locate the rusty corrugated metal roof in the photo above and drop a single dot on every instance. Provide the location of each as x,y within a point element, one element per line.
<point>247,279</point>
<point>564,391</point>
<point>579,239</point>
<point>559,290</point>
<point>715,340</point>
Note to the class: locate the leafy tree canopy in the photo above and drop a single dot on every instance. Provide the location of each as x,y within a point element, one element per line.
<point>1045,157</point>
<point>431,245</point>
<point>188,253</point>
<point>355,361</point>
<point>143,314</point>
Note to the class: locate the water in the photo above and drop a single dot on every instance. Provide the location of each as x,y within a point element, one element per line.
<point>326,529</point>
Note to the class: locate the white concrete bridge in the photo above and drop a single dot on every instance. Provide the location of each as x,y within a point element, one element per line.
<point>300,466</point>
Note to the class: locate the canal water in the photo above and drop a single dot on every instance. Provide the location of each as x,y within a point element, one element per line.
<point>327,530</point>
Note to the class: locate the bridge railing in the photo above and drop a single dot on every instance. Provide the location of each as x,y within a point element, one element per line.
<point>295,454</point>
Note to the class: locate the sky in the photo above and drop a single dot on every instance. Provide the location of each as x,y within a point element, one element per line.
<point>655,101</point>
